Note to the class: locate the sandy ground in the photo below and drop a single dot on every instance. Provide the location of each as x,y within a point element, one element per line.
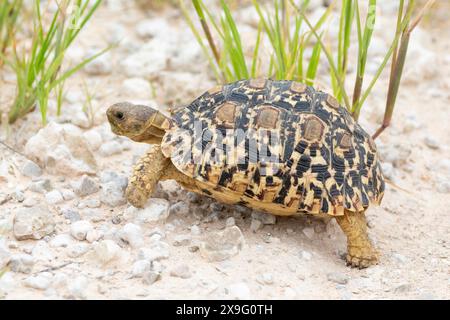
<point>295,258</point>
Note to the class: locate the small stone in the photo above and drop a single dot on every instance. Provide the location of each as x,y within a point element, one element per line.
<point>106,251</point>
<point>33,223</point>
<point>156,210</point>
<point>181,271</point>
<point>42,252</point>
<point>230,222</point>
<point>61,240</point>
<point>77,287</point>
<point>80,229</point>
<point>140,267</point>
<point>85,186</point>
<point>18,195</point>
<point>112,176</point>
<point>309,232</point>
<point>157,251</point>
<point>31,169</point>
<point>403,288</point>
<point>30,202</point>
<point>110,148</point>
<point>77,249</point>
<point>42,186</point>
<point>431,143</point>
<point>255,225</point>
<point>265,218</point>
<point>265,278</point>
<point>193,249</point>
<point>181,240</point>
<point>21,263</point>
<point>41,281</point>
<point>132,235</point>
<point>179,208</point>
<point>93,138</point>
<point>150,277</point>
<point>71,214</point>
<point>54,197</point>
<point>90,203</point>
<point>443,187</point>
<point>222,245</point>
<point>239,290</point>
<point>93,235</point>
<point>113,194</point>
<point>337,277</point>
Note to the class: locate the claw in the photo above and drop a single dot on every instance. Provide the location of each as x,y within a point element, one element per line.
<point>362,257</point>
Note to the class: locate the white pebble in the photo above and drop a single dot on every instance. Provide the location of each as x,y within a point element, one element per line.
<point>80,229</point>
<point>54,197</point>
<point>132,234</point>
<point>40,281</point>
<point>106,251</point>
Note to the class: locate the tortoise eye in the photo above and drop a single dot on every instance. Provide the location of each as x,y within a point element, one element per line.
<point>119,115</point>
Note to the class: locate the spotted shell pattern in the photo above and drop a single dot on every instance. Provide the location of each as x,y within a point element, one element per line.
<point>327,162</point>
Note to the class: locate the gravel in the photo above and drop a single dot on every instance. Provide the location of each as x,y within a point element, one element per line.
<point>181,271</point>
<point>107,251</point>
<point>222,245</point>
<point>54,197</point>
<point>30,169</point>
<point>21,263</point>
<point>80,229</point>
<point>33,223</point>
<point>132,235</point>
<point>40,281</point>
<point>85,186</point>
<point>337,277</point>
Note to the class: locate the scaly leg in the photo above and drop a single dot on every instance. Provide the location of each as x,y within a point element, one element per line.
<point>360,251</point>
<point>146,174</point>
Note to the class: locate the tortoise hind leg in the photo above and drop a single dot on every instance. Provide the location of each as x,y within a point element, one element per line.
<point>360,251</point>
<point>146,174</point>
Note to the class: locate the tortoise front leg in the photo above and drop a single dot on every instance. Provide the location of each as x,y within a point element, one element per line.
<point>360,251</point>
<point>146,174</point>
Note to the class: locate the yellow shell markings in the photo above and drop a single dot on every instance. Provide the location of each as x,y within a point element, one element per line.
<point>326,162</point>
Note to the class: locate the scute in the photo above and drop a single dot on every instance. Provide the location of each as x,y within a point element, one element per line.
<point>318,159</point>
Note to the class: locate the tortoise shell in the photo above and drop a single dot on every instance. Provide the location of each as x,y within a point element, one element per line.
<point>276,146</point>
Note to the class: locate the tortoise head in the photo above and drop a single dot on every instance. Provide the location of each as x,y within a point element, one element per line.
<point>137,122</point>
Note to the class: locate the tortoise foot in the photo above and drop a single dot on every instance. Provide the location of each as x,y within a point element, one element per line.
<point>136,196</point>
<point>362,257</point>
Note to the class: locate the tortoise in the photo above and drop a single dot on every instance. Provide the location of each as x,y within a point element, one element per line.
<point>280,147</point>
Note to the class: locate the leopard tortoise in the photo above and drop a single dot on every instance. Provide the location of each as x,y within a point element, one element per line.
<point>276,146</point>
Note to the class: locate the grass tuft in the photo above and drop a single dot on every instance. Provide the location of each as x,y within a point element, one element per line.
<point>282,25</point>
<point>38,69</point>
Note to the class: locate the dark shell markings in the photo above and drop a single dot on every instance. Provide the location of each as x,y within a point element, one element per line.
<point>280,143</point>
